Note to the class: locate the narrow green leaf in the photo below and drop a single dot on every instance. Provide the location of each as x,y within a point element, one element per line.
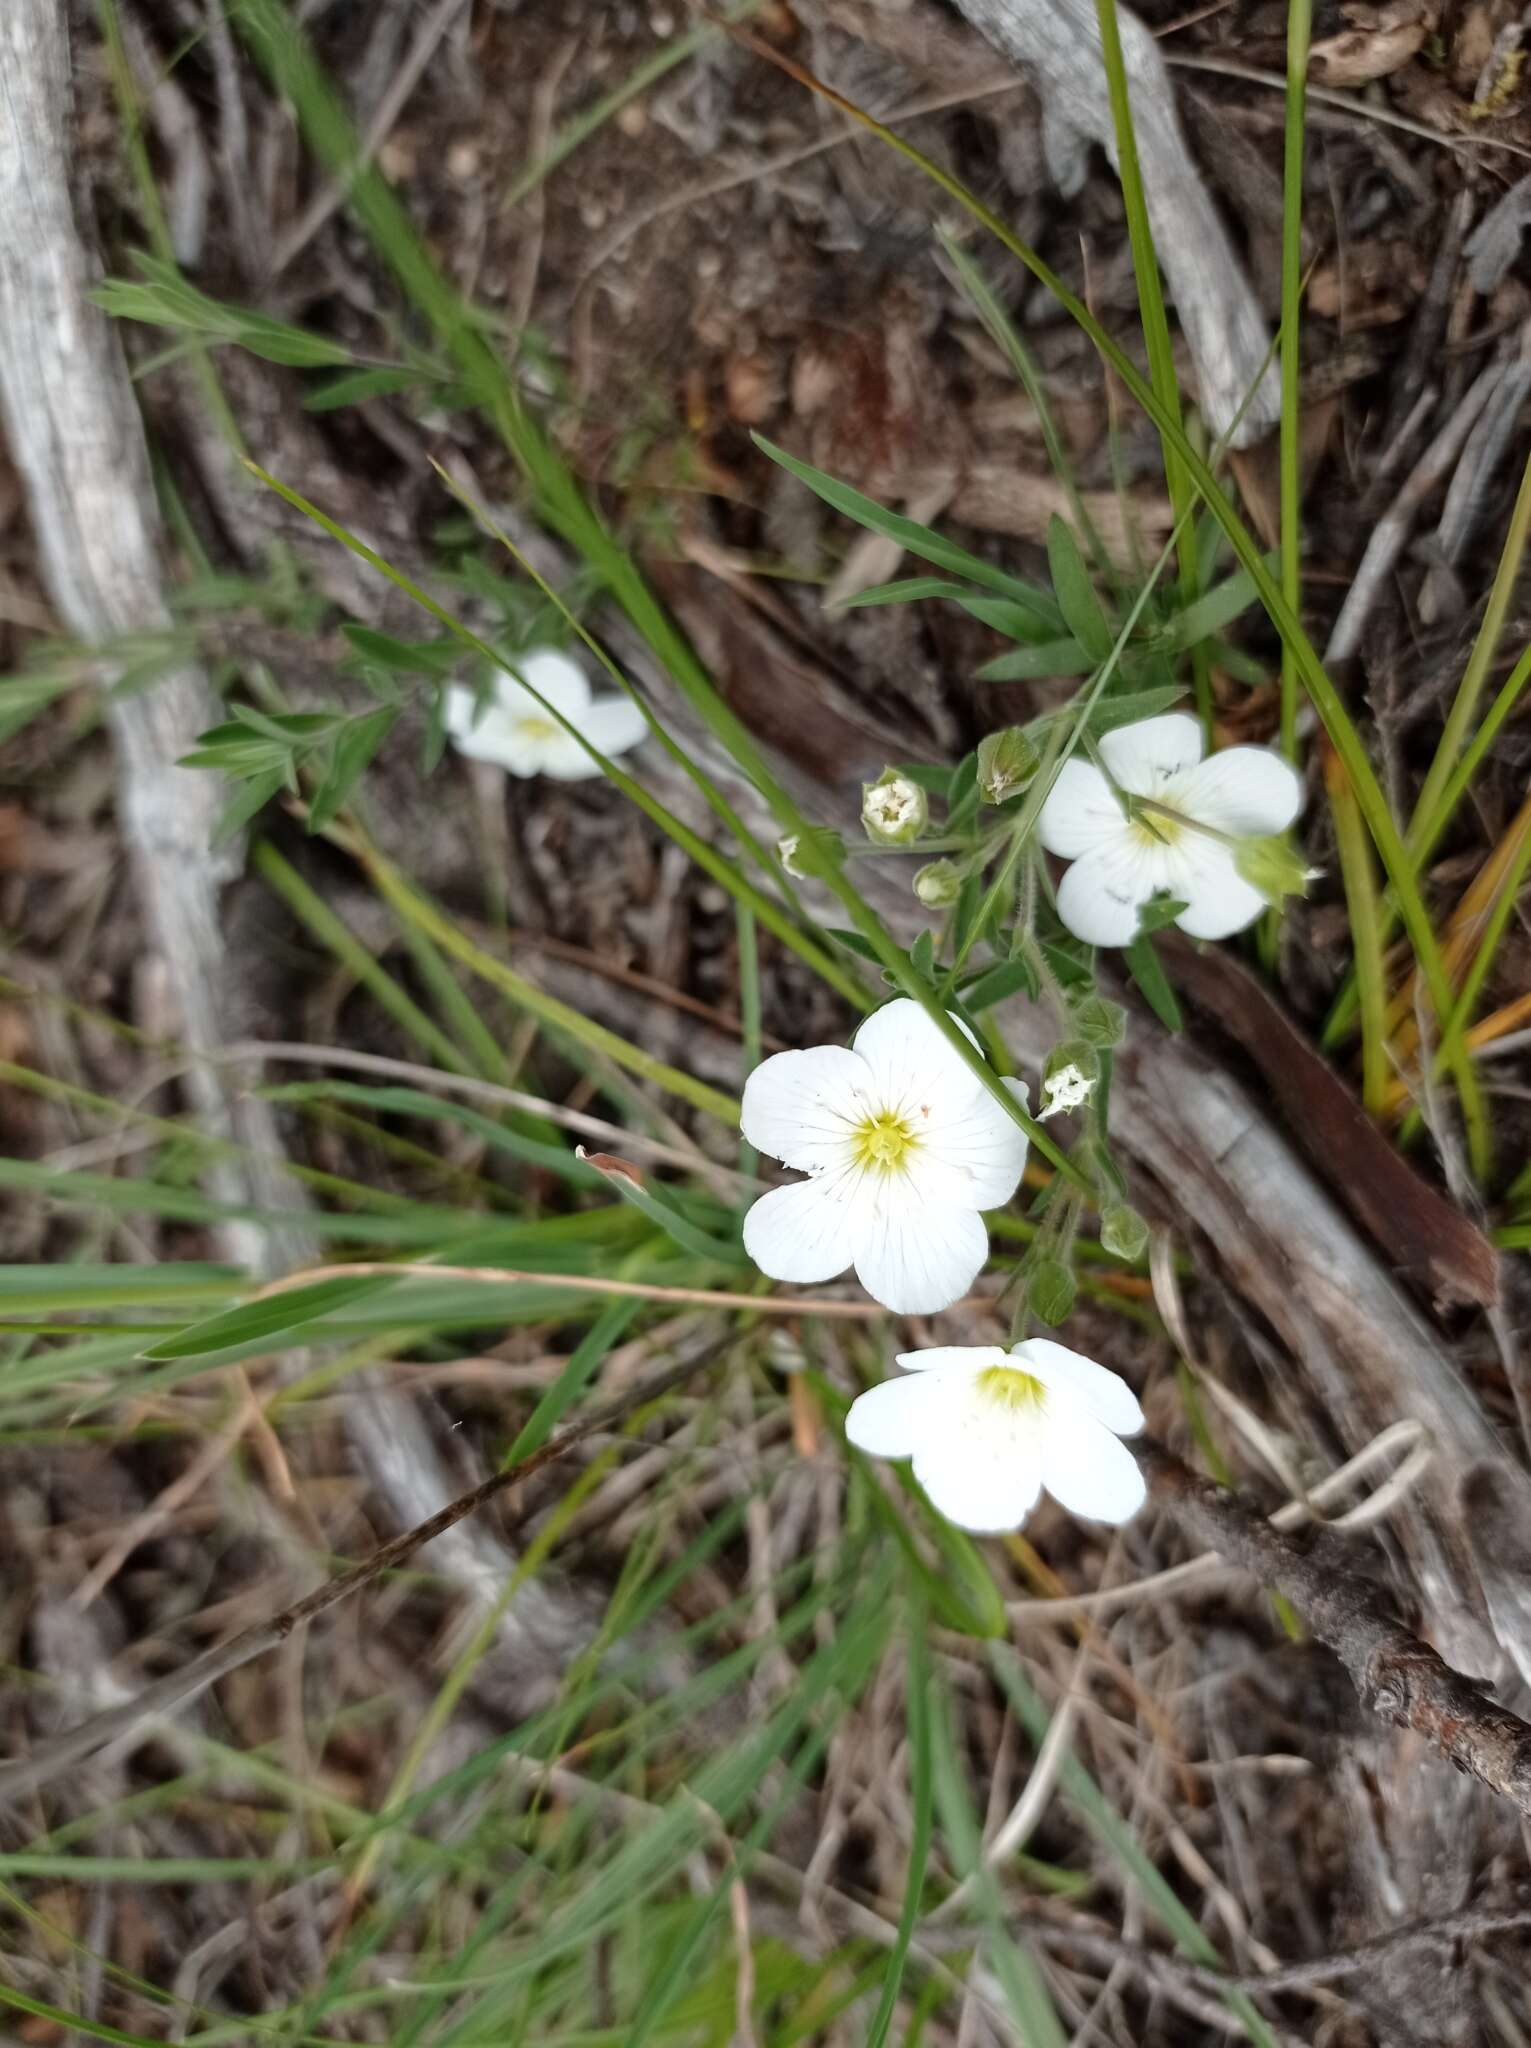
<point>1083,612</point>
<point>1029,664</point>
<point>351,753</point>
<point>910,534</point>
<point>1147,970</point>
<point>906,591</point>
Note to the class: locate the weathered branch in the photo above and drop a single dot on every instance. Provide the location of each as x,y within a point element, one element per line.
<point>177,1688</point>
<point>1060,44</point>
<point>1398,1677</point>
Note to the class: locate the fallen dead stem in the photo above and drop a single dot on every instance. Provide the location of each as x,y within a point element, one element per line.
<point>1398,1677</point>
<point>581,1283</point>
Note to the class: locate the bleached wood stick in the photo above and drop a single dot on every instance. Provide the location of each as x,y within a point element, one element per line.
<point>74,431</point>
<point>1059,41</point>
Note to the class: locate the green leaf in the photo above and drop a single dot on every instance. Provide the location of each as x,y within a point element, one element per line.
<point>1082,610</point>
<point>905,591</point>
<point>1147,970</point>
<point>909,533</point>
<point>1032,619</point>
<point>1010,977</point>
<point>255,1325</point>
<point>1218,608</point>
<point>651,1200</point>
<point>1159,913</point>
<point>247,801</point>
<point>1107,713</point>
<point>353,387</point>
<point>354,746</point>
<point>853,942</point>
<point>922,956</point>
<point>1029,664</point>
<point>403,657</point>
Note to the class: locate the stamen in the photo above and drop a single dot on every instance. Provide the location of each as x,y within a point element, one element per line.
<point>883,1142</point>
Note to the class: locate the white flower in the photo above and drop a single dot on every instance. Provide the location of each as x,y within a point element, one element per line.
<point>989,1429</point>
<point>1118,863</point>
<point>787,851</point>
<point>1067,1089</point>
<point>516,733</point>
<point>903,1146</point>
<point>894,810</point>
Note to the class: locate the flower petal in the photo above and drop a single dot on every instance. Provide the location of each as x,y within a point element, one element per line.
<point>915,1072</point>
<point>1088,1470</point>
<point>1243,790</point>
<point>1146,756</point>
<point>801,1107</point>
<point>806,1231</point>
<point>1218,899</point>
<point>614,724</point>
<point>981,1477</point>
<point>560,682</point>
<point>1099,897</point>
<point>610,724</point>
<point>973,1154</point>
<point>953,1359</point>
<point>1105,1393</point>
<point>914,1256</point>
<point>1080,811</point>
<point>894,1419</point>
<point>496,737</point>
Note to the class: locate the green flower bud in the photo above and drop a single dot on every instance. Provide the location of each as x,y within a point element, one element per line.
<point>1100,1022</point>
<point>1123,1232</point>
<point>1274,867</point>
<point>1007,762</point>
<point>894,809</point>
<point>939,884</point>
<point>1069,1078</point>
<point>1050,1291</point>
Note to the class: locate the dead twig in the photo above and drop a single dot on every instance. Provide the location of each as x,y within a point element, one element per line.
<point>1398,1677</point>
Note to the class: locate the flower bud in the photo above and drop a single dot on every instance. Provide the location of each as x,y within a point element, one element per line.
<point>1123,1232</point>
<point>1050,1291</point>
<point>1100,1022</point>
<point>1274,867</point>
<point>1068,1078</point>
<point>939,884</point>
<point>894,809</point>
<point>810,853</point>
<point>1007,762</point>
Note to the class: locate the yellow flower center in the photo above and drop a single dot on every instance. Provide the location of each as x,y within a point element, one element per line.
<point>1157,828</point>
<point>1011,1388</point>
<point>538,728</point>
<point>883,1142</point>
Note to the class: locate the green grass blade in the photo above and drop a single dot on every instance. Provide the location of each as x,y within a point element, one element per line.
<point>922,1790</point>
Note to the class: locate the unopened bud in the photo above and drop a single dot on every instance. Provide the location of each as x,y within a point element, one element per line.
<point>1007,762</point>
<point>1050,1291</point>
<point>939,884</point>
<point>810,853</point>
<point>1123,1232</point>
<point>1100,1022</point>
<point>1274,867</point>
<point>894,809</point>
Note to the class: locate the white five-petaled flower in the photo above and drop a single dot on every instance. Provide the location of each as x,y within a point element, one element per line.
<point>1182,846</point>
<point>903,1147</point>
<point>519,734</point>
<point>989,1429</point>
